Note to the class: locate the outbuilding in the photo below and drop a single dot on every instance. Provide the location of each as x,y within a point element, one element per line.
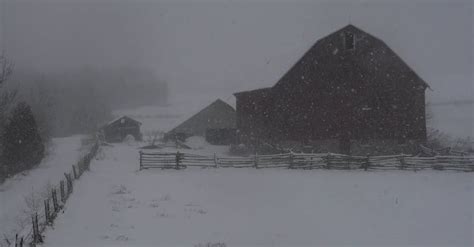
<point>118,129</point>
<point>216,122</point>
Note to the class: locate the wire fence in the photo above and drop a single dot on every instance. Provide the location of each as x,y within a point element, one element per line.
<point>308,161</point>
<point>31,235</point>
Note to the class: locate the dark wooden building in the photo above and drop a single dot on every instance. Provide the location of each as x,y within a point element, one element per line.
<point>119,128</point>
<point>216,122</point>
<point>349,86</point>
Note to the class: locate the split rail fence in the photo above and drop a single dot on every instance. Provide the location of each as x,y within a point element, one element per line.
<point>32,234</point>
<point>308,161</point>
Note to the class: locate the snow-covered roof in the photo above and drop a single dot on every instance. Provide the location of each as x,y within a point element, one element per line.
<point>119,118</point>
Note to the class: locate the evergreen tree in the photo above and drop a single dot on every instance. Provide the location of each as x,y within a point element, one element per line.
<point>22,145</point>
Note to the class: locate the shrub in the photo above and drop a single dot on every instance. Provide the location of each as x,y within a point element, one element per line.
<point>22,145</point>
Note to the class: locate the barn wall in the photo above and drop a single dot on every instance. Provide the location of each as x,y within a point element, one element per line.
<point>253,115</point>
<point>383,147</point>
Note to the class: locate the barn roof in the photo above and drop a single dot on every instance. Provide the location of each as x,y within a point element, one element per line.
<point>218,115</point>
<point>119,118</point>
<point>256,91</point>
<point>381,57</point>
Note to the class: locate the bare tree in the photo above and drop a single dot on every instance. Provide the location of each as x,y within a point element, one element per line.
<point>6,68</point>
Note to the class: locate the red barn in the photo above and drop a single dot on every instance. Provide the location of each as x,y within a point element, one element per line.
<point>348,88</point>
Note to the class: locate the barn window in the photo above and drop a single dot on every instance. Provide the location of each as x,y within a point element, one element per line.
<point>349,42</point>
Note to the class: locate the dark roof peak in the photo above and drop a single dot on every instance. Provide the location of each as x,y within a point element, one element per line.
<point>219,101</point>
<point>350,28</point>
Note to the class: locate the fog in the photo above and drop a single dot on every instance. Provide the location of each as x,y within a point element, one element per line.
<point>220,47</point>
<point>120,126</point>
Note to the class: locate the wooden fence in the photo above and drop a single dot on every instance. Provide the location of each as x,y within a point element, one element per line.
<point>308,161</point>
<point>32,234</point>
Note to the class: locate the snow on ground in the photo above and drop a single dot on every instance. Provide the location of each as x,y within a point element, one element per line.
<point>64,152</point>
<point>116,205</point>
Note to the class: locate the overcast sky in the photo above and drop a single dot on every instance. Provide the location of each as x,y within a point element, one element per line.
<point>220,47</point>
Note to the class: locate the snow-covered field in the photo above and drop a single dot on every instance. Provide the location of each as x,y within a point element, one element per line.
<point>18,193</point>
<point>116,205</point>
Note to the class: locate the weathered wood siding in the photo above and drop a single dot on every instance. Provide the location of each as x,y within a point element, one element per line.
<point>367,92</point>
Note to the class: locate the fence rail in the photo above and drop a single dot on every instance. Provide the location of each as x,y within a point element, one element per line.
<point>32,234</point>
<point>308,161</point>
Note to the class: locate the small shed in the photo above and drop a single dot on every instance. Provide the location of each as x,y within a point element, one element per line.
<point>119,128</point>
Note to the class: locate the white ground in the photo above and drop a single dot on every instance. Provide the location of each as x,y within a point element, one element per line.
<point>116,205</point>
<point>64,152</point>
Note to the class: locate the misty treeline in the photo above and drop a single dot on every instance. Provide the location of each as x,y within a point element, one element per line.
<point>80,101</point>
<point>36,106</point>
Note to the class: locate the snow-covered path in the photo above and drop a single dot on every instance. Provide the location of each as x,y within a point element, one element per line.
<point>116,205</point>
<point>13,207</point>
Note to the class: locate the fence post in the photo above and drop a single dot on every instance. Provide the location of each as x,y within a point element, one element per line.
<point>177,160</point>
<point>74,172</point>
<point>290,165</point>
<point>216,162</point>
<point>38,234</point>
<point>61,191</point>
<point>55,200</point>
<point>255,160</point>
<point>20,244</point>
<point>79,172</point>
<point>46,211</point>
<point>69,184</point>
<point>403,164</point>
<point>87,162</point>
<point>140,168</point>
<point>328,161</point>
<point>39,238</point>
<point>34,228</point>
<point>366,164</point>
